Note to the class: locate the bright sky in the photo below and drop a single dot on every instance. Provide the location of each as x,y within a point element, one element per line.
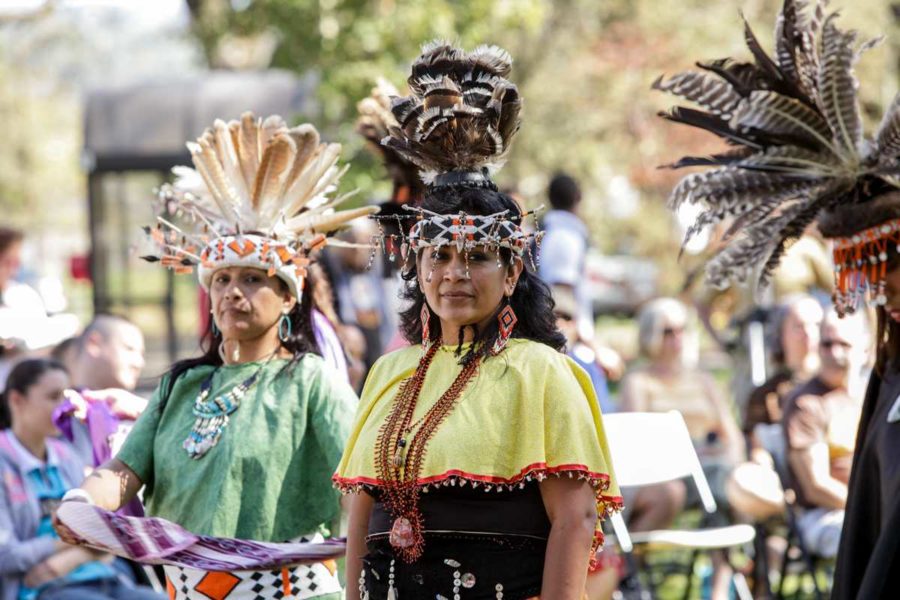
<point>152,12</point>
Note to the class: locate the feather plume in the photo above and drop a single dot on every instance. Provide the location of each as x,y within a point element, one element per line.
<point>374,123</point>
<point>462,113</point>
<point>261,175</point>
<point>888,135</point>
<point>800,150</point>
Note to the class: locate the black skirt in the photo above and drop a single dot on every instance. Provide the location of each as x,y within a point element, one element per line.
<point>478,545</point>
<point>458,565</point>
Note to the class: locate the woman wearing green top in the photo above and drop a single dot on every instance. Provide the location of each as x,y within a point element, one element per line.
<point>241,442</point>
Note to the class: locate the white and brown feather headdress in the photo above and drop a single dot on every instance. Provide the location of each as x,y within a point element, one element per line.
<point>260,194</point>
<point>798,148</point>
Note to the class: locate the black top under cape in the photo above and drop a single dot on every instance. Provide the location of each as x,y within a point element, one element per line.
<point>868,561</point>
<point>475,541</point>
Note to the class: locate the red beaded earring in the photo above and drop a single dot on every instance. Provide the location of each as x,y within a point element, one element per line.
<point>507,320</point>
<point>425,316</point>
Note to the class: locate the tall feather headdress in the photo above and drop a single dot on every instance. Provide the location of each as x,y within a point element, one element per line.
<point>798,152</point>
<point>457,126</point>
<point>260,194</point>
<point>462,113</point>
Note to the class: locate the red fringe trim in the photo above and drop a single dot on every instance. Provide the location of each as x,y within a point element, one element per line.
<point>606,505</point>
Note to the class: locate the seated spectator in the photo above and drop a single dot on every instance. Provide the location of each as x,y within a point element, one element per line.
<point>101,408</point>
<point>820,422</point>
<point>669,380</point>
<point>755,487</point>
<point>794,349</point>
<point>37,470</point>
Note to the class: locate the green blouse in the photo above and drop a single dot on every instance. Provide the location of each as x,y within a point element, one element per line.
<point>268,478</point>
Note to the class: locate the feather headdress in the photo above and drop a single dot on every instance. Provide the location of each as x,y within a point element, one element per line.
<point>798,149</point>
<point>462,113</point>
<point>374,123</point>
<point>457,126</point>
<point>259,195</point>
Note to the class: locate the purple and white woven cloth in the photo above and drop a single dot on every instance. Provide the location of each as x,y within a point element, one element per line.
<point>156,541</point>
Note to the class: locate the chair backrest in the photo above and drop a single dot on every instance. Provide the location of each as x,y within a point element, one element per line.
<point>650,448</point>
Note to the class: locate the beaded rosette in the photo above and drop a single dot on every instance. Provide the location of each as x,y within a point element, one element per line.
<point>260,195</point>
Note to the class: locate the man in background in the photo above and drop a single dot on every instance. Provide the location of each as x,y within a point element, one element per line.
<point>820,423</point>
<point>106,361</point>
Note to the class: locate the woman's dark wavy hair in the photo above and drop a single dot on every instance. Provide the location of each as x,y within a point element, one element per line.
<point>301,341</point>
<point>531,299</point>
<point>24,375</point>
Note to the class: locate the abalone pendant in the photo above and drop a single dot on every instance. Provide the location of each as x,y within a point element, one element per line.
<point>402,535</point>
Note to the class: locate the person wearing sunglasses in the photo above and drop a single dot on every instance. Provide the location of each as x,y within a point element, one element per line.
<point>820,422</point>
<point>668,378</point>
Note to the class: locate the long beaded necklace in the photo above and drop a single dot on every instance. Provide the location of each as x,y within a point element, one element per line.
<point>211,415</point>
<point>399,456</point>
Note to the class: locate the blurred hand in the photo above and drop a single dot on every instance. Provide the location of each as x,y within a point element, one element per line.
<point>39,575</point>
<point>65,534</point>
<point>122,403</point>
<point>610,361</point>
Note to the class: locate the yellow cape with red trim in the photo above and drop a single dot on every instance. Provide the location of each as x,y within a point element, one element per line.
<point>530,413</point>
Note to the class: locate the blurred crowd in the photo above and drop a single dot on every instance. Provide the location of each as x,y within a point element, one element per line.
<point>777,452</point>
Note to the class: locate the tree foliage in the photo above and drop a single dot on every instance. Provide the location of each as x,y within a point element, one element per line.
<point>584,69</point>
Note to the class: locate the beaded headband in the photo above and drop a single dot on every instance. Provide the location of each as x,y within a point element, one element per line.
<point>259,196</point>
<point>456,126</point>
<point>860,266</point>
<point>463,231</point>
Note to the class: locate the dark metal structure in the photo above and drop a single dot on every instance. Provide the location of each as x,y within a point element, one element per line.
<point>135,135</point>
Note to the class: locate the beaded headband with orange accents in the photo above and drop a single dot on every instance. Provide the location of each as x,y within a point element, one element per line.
<point>463,231</point>
<point>861,264</point>
<point>259,196</point>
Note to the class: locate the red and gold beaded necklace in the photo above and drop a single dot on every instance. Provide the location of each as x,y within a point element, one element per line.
<point>399,457</point>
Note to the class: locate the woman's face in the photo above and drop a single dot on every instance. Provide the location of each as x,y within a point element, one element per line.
<point>800,335</point>
<point>32,412</point>
<point>458,300</point>
<point>672,344</point>
<point>247,303</point>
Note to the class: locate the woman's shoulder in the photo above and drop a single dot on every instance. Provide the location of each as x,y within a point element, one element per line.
<point>532,352</point>
<point>535,359</point>
<point>398,360</point>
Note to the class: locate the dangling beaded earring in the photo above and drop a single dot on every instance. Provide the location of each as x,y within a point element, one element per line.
<point>425,316</point>
<point>507,320</point>
<point>285,328</point>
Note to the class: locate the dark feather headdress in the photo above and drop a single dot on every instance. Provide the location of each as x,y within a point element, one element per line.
<point>462,113</point>
<point>456,126</point>
<point>374,123</point>
<point>798,149</point>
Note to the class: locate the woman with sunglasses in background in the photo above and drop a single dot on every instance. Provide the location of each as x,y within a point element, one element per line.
<point>668,380</point>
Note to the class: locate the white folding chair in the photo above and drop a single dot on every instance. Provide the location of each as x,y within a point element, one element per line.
<point>652,448</point>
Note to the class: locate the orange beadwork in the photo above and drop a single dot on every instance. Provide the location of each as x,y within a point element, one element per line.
<point>242,249</point>
<point>860,266</point>
<point>399,457</point>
